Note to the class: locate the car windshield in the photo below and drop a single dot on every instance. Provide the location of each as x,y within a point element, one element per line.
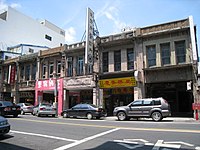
<point>7,103</point>
<point>93,105</point>
<point>27,104</point>
<point>46,105</point>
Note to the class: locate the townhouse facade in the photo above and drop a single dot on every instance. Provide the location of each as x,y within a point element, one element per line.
<point>153,61</point>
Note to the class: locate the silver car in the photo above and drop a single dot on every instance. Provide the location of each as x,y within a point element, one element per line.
<point>26,108</point>
<point>4,126</point>
<point>44,109</point>
<point>156,108</point>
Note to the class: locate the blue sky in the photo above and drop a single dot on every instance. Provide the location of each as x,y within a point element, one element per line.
<point>111,16</point>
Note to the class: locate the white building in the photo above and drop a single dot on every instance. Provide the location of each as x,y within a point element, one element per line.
<point>17,28</point>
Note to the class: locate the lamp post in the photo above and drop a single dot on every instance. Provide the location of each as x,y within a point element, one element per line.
<point>56,94</point>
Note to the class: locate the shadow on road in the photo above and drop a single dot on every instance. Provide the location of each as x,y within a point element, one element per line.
<point>8,146</point>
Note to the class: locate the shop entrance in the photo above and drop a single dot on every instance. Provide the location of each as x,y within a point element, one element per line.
<point>117,97</point>
<point>176,94</point>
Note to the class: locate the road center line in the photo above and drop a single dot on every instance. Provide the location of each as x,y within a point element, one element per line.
<point>86,139</point>
<point>113,126</point>
<point>42,135</point>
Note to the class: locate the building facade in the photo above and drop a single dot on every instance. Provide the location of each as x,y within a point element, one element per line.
<point>153,61</point>
<point>17,28</point>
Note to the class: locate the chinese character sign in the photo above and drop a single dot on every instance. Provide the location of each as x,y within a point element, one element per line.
<point>89,37</point>
<point>117,82</point>
<point>48,84</point>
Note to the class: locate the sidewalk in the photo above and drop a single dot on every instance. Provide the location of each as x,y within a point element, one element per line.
<point>168,119</point>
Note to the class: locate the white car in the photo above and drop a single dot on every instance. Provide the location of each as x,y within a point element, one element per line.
<point>44,109</point>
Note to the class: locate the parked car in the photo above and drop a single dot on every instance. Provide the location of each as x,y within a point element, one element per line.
<point>156,108</point>
<point>44,109</point>
<point>4,126</point>
<point>26,108</point>
<point>88,111</point>
<point>9,108</point>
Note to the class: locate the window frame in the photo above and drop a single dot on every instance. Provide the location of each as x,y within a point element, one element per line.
<point>151,55</point>
<point>164,50</point>
<point>117,60</point>
<point>130,59</point>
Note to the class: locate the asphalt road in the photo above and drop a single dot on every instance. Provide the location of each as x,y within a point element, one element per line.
<point>46,133</point>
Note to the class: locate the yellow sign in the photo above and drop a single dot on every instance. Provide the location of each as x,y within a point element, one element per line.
<point>117,82</point>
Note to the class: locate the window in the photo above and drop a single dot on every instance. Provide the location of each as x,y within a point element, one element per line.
<point>33,72</point>
<point>137,103</point>
<point>105,61</point>
<point>80,65</point>
<point>51,68</point>
<point>31,50</point>
<point>70,66</point>
<point>22,73</point>
<point>27,72</point>
<point>147,103</point>
<point>157,102</point>
<point>3,15</point>
<point>48,37</point>
<point>5,74</point>
<point>90,68</point>
<point>58,68</point>
<point>44,69</point>
<point>130,59</point>
<point>180,51</point>
<point>151,55</point>
<point>165,53</point>
<point>117,60</point>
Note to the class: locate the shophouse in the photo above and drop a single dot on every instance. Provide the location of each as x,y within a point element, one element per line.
<point>160,58</point>
<point>153,61</point>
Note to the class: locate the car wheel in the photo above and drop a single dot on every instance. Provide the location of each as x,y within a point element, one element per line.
<point>37,114</point>
<point>22,112</point>
<point>65,115</point>
<point>156,116</point>
<point>121,116</point>
<point>89,116</point>
<point>15,115</point>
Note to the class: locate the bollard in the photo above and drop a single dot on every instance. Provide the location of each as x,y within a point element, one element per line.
<point>196,114</point>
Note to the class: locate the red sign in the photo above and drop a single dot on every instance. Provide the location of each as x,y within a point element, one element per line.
<point>196,106</point>
<point>12,74</point>
<point>48,84</point>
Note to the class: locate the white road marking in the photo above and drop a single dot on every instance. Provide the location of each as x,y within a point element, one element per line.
<point>179,142</point>
<point>197,148</point>
<point>141,140</point>
<point>86,139</point>
<point>161,144</point>
<point>42,135</point>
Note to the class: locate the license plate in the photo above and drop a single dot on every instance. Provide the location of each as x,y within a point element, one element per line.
<point>13,108</point>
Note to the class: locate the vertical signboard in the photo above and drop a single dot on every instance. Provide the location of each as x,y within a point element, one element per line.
<point>89,37</point>
<point>11,77</point>
<point>193,41</point>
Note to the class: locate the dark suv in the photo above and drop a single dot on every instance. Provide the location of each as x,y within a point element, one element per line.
<point>156,108</point>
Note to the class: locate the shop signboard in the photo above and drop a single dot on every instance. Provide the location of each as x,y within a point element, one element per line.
<point>89,37</point>
<point>48,84</point>
<point>117,82</point>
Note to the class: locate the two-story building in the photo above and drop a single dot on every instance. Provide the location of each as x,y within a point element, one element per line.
<point>153,61</point>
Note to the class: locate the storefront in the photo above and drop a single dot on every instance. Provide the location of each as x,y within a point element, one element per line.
<point>117,92</point>
<point>79,90</point>
<point>49,86</point>
<point>26,97</point>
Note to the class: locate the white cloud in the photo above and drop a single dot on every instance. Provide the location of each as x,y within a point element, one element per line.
<point>4,4</point>
<point>70,35</point>
<point>111,12</point>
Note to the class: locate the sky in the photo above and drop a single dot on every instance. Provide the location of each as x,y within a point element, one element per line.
<point>111,16</point>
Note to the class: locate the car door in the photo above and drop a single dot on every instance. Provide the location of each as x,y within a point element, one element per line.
<point>146,108</point>
<point>135,108</point>
<point>74,110</point>
<point>83,110</point>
